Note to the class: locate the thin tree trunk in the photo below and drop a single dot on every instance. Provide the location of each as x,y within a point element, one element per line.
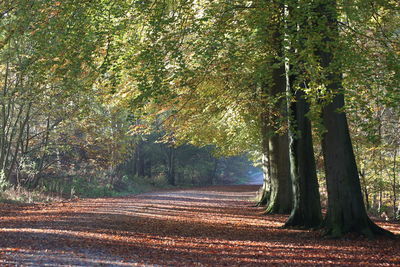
<point>4,118</point>
<point>135,161</point>
<point>14,156</point>
<point>365,189</point>
<point>149,168</point>
<point>394,182</point>
<point>35,181</point>
<point>140,168</point>
<point>171,166</point>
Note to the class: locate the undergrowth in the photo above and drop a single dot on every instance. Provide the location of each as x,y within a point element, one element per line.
<point>22,195</point>
<point>54,190</point>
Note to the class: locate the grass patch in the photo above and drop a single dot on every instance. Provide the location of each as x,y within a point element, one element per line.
<point>21,195</point>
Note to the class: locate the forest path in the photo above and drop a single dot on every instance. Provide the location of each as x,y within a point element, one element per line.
<point>213,226</point>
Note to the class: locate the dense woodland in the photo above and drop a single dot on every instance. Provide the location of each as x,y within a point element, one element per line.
<point>102,96</point>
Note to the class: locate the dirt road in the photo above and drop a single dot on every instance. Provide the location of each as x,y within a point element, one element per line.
<point>213,226</point>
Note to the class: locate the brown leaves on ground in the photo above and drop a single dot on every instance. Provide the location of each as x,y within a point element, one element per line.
<point>212,226</point>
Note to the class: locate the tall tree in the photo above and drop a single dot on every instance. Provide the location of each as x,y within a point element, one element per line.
<point>276,192</point>
<point>346,211</point>
<point>306,210</point>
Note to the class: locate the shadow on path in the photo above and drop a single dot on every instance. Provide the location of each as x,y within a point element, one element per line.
<point>212,226</point>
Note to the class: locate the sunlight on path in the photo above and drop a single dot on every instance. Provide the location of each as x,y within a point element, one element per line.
<point>211,226</point>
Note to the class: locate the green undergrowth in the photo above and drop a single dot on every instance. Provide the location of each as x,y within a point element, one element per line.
<point>58,189</point>
<point>21,195</point>
<point>53,190</point>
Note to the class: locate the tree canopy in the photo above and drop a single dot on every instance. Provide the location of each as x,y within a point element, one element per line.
<point>124,89</point>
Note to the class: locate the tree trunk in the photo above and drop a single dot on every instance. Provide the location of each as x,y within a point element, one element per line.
<point>171,166</point>
<point>140,160</point>
<point>149,172</point>
<point>280,197</point>
<point>213,174</point>
<point>134,161</point>
<point>306,210</point>
<point>264,192</point>
<point>365,189</point>
<point>346,211</point>
<point>394,182</point>
<point>380,199</point>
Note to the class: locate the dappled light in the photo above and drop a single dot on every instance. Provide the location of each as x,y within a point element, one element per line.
<point>211,226</point>
<point>199,133</point>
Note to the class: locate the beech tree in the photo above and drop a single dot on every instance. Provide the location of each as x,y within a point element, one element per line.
<point>274,85</point>
<point>346,210</point>
<point>306,212</point>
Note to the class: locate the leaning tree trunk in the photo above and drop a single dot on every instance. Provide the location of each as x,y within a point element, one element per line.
<point>346,211</point>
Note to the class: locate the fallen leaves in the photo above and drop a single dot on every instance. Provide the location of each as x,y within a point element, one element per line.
<point>209,226</point>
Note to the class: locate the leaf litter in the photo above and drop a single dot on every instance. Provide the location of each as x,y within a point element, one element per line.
<point>212,226</point>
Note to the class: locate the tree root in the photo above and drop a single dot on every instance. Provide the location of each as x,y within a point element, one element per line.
<point>369,230</point>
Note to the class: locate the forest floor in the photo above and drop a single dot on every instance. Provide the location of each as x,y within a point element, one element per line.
<point>213,226</point>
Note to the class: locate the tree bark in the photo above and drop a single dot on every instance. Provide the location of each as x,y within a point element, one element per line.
<point>264,193</point>
<point>280,196</point>
<point>140,160</point>
<point>171,166</point>
<point>306,212</point>
<point>213,174</point>
<point>394,182</point>
<point>280,199</point>
<point>361,173</point>
<point>346,211</point>
<point>149,167</point>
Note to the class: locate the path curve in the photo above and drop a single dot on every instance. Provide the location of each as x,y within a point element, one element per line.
<point>212,226</point>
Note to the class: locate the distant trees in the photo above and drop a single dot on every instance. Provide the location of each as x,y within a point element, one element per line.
<point>59,122</point>
<point>31,93</point>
